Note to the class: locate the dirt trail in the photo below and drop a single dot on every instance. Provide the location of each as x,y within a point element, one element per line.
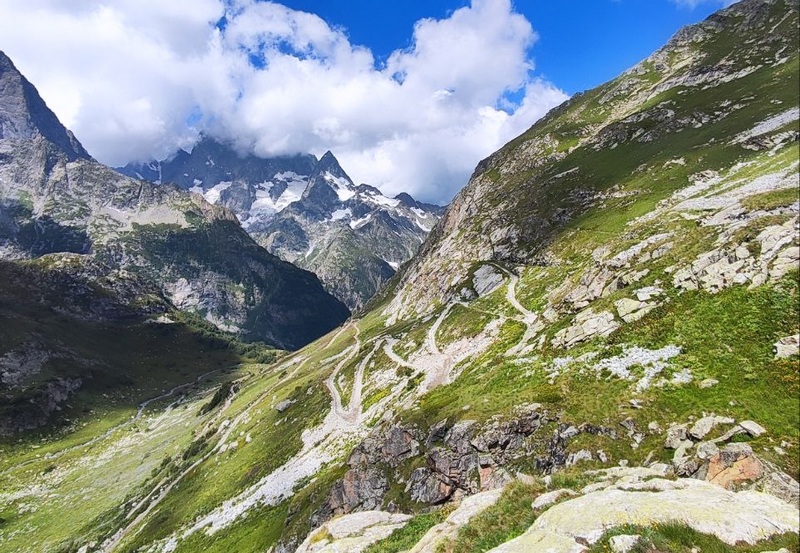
<point>430,338</point>
<point>388,349</point>
<point>352,413</point>
<point>529,318</point>
<point>355,407</point>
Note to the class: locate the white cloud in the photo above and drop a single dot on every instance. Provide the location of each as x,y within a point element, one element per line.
<point>692,4</point>
<point>136,79</point>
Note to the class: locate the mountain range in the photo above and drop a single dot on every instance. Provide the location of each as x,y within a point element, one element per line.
<point>105,248</point>
<point>595,349</point>
<point>306,211</point>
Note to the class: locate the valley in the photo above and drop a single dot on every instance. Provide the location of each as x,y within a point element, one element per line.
<point>594,349</point>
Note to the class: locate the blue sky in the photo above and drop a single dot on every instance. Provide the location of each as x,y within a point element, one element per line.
<point>408,94</point>
<point>582,43</point>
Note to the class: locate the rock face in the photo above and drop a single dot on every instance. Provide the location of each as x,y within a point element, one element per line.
<point>54,198</point>
<point>305,211</point>
<point>459,460</point>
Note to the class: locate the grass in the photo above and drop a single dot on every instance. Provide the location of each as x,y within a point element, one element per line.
<point>503,521</point>
<point>677,538</point>
<point>406,537</point>
<point>768,201</point>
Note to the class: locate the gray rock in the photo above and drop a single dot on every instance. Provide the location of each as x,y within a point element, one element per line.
<point>706,450</point>
<point>676,435</point>
<point>569,433</point>
<point>623,543</point>
<point>587,324</point>
<point>486,279</point>
<point>360,489</point>
<point>753,428</point>
<point>787,347</point>
<point>284,405</point>
<point>426,486</point>
<point>629,425</point>
<point>702,427</point>
<point>630,310</point>
<point>459,436</point>
<point>779,484</point>
<point>398,446</point>
<point>436,433</point>
<point>707,383</point>
<point>547,499</point>
<point>578,456</point>
<point>729,434</point>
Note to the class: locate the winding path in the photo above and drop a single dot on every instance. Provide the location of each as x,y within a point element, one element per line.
<point>352,413</point>
<point>529,318</point>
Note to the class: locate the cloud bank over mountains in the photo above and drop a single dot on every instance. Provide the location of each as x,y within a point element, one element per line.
<point>136,79</point>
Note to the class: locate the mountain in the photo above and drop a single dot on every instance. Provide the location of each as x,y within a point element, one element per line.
<point>55,199</point>
<point>306,211</point>
<point>596,349</point>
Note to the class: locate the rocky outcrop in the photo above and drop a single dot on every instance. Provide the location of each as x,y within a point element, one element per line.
<point>643,497</point>
<point>703,452</point>
<point>460,460</point>
<point>34,408</point>
<point>352,533</point>
<point>587,324</point>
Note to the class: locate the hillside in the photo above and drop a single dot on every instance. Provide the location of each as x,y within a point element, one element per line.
<point>305,210</point>
<point>595,350</point>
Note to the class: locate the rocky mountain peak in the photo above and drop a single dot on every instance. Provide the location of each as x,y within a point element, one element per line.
<point>306,210</point>
<point>24,115</point>
<point>328,163</point>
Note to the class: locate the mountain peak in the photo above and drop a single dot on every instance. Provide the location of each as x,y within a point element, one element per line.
<point>24,114</point>
<point>329,163</point>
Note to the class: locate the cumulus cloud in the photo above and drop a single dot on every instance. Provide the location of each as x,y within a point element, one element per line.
<point>136,79</point>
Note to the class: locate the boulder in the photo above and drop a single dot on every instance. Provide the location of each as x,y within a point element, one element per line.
<point>707,450</point>
<point>587,324</point>
<point>702,427</point>
<point>630,310</point>
<point>623,543</point>
<point>676,435</point>
<point>735,463</point>
<point>753,428</point>
<point>352,533</point>
<point>577,457</point>
<point>547,499</point>
<point>787,347</point>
